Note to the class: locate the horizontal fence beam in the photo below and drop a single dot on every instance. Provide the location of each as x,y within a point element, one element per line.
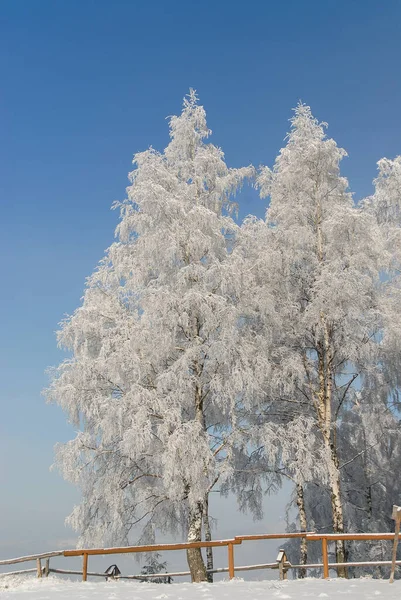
<point>176,574</point>
<point>377,563</point>
<point>382,563</point>
<point>19,572</point>
<point>332,537</point>
<point>12,561</point>
<point>185,573</point>
<point>152,548</point>
<point>149,576</point>
<point>249,568</point>
<point>142,577</point>
<point>372,563</point>
<point>68,572</point>
<point>310,536</point>
<point>274,536</point>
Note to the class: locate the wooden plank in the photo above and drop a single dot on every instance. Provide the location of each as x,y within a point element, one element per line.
<point>313,537</point>
<point>378,563</point>
<point>19,572</point>
<point>69,572</point>
<point>248,568</point>
<point>281,559</point>
<point>85,567</point>
<point>175,574</point>
<point>142,577</point>
<point>12,561</point>
<point>372,563</point>
<point>325,556</point>
<point>308,566</point>
<point>187,573</point>
<point>274,536</point>
<point>288,565</point>
<point>153,548</point>
<point>231,561</point>
<point>153,575</point>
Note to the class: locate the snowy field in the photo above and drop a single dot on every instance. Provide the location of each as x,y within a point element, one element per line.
<point>57,589</point>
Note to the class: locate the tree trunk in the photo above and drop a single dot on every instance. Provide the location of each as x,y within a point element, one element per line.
<point>334,472</point>
<point>194,555</point>
<point>325,423</point>
<point>303,523</point>
<point>337,508</point>
<point>324,405</point>
<point>332,458</point>
<point>208,538</point>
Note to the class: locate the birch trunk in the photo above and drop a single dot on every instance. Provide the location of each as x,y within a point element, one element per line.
<point>194,555</point>
<point>336,507</point>
<point>303,523</point>
<point>325,361</point>
<point>325,423</point>
<point>208,538</point>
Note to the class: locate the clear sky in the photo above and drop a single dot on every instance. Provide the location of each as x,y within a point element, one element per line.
<point>83,85</point>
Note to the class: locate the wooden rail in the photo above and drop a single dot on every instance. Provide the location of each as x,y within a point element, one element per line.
<point>13,561</point>
<point>332,537</point>
<point>311,537</point>
<point>155,548</point>
<point>19,572</point>
<point>273,536</point>
<point>151,548</point>
<point>282,564</point>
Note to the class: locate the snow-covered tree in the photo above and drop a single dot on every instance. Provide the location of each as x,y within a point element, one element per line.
<point>385,205</point>
<point>317,284</point>
<point>279,436</point>
<point>156,367</point>
<point>370,434</point>
<point>316,269</point>
<point>209,354</point>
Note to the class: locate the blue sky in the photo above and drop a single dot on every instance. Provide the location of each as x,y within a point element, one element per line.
<point>85,84</point>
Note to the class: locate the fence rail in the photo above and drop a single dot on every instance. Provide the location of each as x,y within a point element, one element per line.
<point>13,561</point>
<point>282,564</point>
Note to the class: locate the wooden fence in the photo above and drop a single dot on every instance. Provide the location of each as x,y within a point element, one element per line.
<point>281,563</point>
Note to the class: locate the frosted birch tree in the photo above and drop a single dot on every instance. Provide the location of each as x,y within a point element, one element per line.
<point>370,443</point>
<point>366,434</point>
<point>320,270</point>
<point>371,434</point>
<point>156,367</point>
<point>385,205</point>
<point>280,434</point>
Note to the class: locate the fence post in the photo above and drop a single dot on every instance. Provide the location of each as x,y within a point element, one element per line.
<point>282,559</point>
<point>47,567</point>
<point>325,556</point>
<point>85,567</point>
<point>39,567</point>
<point>231,561</point>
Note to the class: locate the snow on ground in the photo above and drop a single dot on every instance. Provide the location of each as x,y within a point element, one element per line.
<point>335,589</point>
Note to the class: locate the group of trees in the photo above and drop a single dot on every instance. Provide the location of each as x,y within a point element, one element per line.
<point>211,355</point>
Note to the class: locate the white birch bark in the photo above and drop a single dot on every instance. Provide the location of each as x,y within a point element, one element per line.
<point>194,555</point>
<point>303,559</point>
